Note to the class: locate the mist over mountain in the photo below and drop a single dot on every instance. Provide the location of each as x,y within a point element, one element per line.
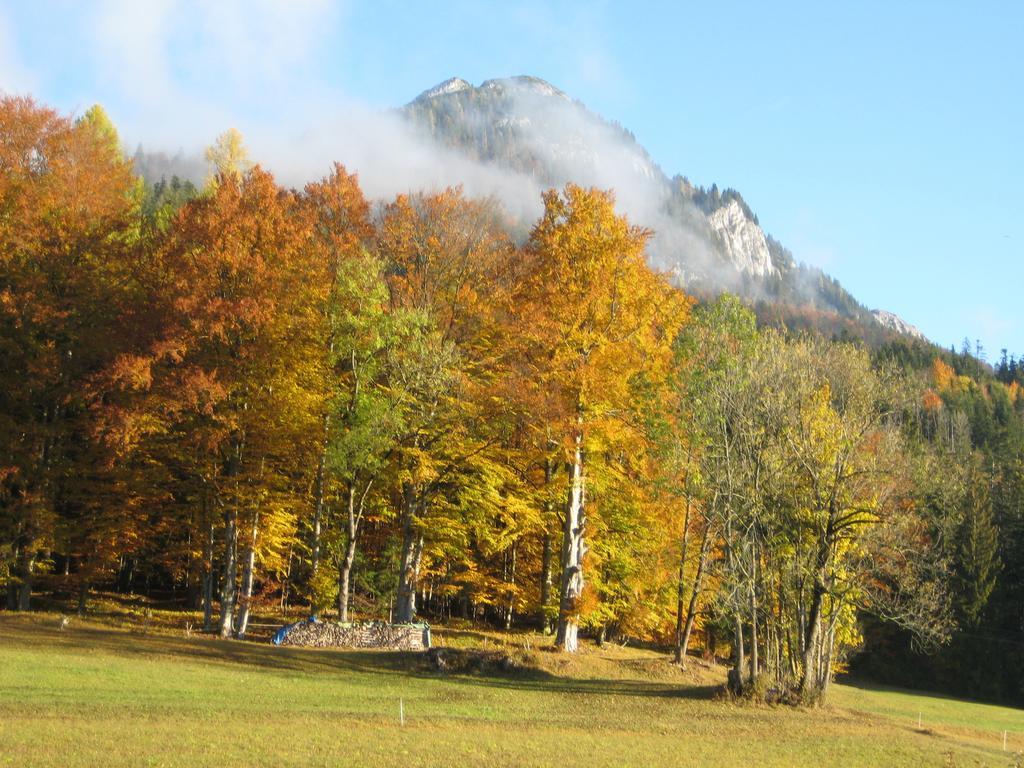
<point>512,138</point>
<point>710,240</point>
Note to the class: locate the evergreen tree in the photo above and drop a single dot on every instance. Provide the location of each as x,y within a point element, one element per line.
<point>977,552</point>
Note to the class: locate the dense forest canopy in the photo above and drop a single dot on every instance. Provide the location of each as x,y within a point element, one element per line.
<point>242,394</point>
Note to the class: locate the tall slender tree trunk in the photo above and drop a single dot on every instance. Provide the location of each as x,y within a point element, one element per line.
<point>755,662</point>
<point>512,595</point>
<point>286,584</point>
<point>248,577</point>
<point>208,579</point>
<point>318,499</point>
<point>826,667</point>
<point>126,577</point>
<point>547,557</point>
<point>545,583</point>
<point>192,590</point>
<point>801,618</point>
<point>345,571</point>
<point>698,583</point>
<point>681,585</point>
<point>574,551</point>
<point>227,587</point>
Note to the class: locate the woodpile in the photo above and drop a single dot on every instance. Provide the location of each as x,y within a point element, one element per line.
<point>463,661</point>
<point>371,634</point>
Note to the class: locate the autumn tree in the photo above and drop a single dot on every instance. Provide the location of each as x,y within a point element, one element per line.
<point>228,158</point>
<point>713,354</point>
<point>68,211</point>
<point>598,317</point>
<point>441,253</point>
<point>238,374</point>
<point>361,422</point>
<point>844,500</point>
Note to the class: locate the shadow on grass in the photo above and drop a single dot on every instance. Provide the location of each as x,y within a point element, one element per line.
<point>32,631</point>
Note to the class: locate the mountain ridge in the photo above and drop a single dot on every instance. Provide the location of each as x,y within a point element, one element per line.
<point>710,240</point>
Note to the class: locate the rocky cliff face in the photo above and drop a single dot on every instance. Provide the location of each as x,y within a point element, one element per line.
<point>894,322</point>
<point>743,241</point>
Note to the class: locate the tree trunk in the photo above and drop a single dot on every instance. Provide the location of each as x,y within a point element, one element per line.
<point>25,588</point>
<point>812,639</point>
<point>545,584</point>
<point>755,664</point>
<point>19,590</point>
<point>126,575</point>
<point>318,500</point>
<point>286,584</point>
<point>574,551</point>
<point>208,579</point>
<point>345,571</point>
<point>680,584</point>
<point>826,667</point>
<point>546,558</point>
<point>83,596</point>
<point>248,576</point>
<point>736,673</point>
<point>227,587</point>
<point>412,544</point>
<point>698,583</point>
<point>512,595</point>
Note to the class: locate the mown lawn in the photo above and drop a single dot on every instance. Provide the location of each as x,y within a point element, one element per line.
<point>96,695</point>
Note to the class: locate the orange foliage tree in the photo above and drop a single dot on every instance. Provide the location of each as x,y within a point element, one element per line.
<point>66,275</point>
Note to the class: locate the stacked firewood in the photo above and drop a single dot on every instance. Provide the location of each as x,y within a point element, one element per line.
<point>370,634</point>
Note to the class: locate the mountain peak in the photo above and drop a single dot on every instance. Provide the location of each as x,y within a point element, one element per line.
<point>501,85</point>
<point>523,83</point>
<point>451,85</point>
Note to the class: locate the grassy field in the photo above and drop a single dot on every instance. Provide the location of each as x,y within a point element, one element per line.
<point>101,695</point>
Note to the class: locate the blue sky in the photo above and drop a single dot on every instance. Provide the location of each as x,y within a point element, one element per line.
<point>880,141</point>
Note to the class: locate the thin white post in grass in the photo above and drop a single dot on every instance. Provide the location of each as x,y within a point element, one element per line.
<point>919,721</point>
<point>401,713</point>
<point>1004,741</point>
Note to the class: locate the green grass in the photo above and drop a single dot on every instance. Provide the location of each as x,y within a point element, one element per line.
<point>101,695</point>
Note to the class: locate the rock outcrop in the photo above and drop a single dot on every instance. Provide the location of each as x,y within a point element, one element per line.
<point>896,323</point>
<point>743,240</point>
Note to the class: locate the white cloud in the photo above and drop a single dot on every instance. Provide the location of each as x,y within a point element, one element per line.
<point>182,72</point>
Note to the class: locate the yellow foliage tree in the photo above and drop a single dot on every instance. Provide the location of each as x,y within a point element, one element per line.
<point>595,318</point>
